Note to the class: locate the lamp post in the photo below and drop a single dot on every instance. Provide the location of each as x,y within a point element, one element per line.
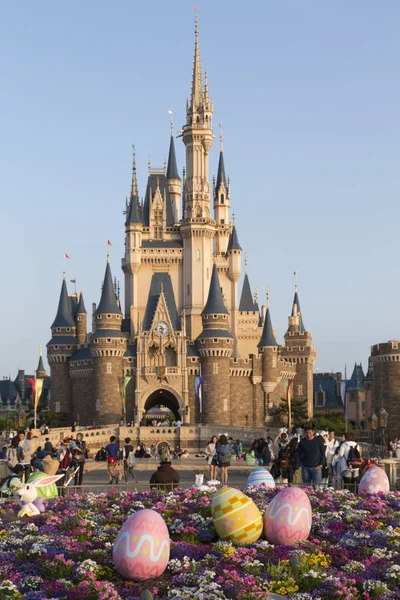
<point>383,419</point>
<point>374,425</point>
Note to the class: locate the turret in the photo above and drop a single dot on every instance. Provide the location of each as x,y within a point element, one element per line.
<point>108,346</point>
<point>269,348</point>
<point>41,371</point>
<point>133,243</point>
<point>81,321</point>
<point>174,181</point>
<point>215,346</point>
<point>62,345</point>
<point>234,252</point>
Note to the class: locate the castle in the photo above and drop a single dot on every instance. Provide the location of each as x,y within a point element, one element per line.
<point>182,322</point>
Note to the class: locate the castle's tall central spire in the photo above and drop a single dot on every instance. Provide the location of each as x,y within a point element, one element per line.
<point>197,82</point>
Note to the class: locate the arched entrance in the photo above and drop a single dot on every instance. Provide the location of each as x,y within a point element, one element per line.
<point>164,398</point>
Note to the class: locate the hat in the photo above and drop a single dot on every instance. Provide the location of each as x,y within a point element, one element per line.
<point>50,465</point>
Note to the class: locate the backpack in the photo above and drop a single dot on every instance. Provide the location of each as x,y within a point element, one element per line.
<point>354,460</point>
<point>130,461</point>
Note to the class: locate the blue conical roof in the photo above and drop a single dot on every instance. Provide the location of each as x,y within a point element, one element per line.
<point>172,168</point>
<point>247,303</point>
<point>356,383</point>
<point>108,301</point>
<point>133,214</point>
<point>296,302</point>
<point>233,243</point>
<point>267,338</point>
<point>215,304</point>
<point>81,306</point>
<point>40,368</point>
<point>221,177</point>
<point>64,315</point>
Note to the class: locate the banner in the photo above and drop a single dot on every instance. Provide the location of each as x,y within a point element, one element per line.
<point>31,382</point>
<point>38,392</point>
<point>123,391</point>
<point>197,382</point>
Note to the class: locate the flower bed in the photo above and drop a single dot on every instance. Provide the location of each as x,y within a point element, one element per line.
<point>353,550</point>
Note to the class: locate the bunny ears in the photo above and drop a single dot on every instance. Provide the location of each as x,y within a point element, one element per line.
<point>46,480</point>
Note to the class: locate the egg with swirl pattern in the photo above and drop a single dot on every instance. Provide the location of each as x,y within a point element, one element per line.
<point>287,519</point>
<point>141,550</point>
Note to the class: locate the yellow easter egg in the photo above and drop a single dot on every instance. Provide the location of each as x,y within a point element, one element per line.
<point>236,518</point>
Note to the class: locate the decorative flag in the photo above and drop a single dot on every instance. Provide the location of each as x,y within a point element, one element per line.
<point>109,243</point>
<point>289,383</point>
<point>66,255</point>
<point>123,391</point>
<point>343,390</point>
<point>39,388</point>
<point>31,382</point>
<point>73,280</point>
<point>197,382</point>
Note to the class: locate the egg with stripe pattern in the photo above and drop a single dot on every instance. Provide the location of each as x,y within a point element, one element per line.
<point>259,477</point>
<point>141,550</point>
<point>235,516</point>
<point>288,517</point>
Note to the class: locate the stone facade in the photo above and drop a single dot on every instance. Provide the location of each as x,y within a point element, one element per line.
<point>182,318</point>
<point>385,393</point>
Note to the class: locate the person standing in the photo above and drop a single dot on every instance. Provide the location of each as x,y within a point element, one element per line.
<point>79,454</point>
<point>223,452</point>
<point>239,450</point>
<point>211,457</point>
<point>26,446</point>
<point>128,456</point>
<point>165,478</point>
<point>14,454</point>
<point>349,461</point>
<point>310,456</point>
<point>332,445</point>
<point>112,450</point>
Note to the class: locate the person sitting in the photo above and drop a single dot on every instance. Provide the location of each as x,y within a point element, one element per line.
<point>185,453</point>
<point>40,453</point>
<point>140,451</point>
<point>48,446</point>
<point>250,458</point>
<point>165,478</point>
<point>177,453</point>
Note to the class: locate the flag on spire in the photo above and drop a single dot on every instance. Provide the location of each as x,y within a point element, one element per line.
<point>109,243</point>
<point>66,255</point>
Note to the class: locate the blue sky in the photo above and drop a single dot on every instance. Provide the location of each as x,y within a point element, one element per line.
<point>309,96</point>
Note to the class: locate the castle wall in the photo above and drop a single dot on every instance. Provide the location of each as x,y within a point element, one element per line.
<point>61,387</point>
<point>107,376</point>
<point>83,406</point>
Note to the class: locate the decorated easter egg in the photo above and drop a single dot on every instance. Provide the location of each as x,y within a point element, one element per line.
<point>141,550</point>
<point>288,517</point>
<point>261,476</point>
<point>373,481</point>
<point>236,518</point>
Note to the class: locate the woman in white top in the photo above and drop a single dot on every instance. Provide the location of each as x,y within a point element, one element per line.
<point>211,458</point>
<point>349,474</point>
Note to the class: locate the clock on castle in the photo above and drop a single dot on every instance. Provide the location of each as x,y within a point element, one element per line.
<point>182,316</point>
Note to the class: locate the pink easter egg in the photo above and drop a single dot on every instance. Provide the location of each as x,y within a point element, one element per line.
<point>373,481</point>
<point>141,550</point>
<point>287,519</point>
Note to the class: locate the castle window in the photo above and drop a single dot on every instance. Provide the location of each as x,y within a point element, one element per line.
<point>55,347</point>
<point>205,317</point>
<point>68,329</point>
<point>299,390</point>
<point>108,340</point>
<point>202,341</point>
<point>193,359</point>
<point>57,407</point>
<point>58,329</point>
<point>188,290</point>
<point>68,347</point>
<point>222,198</point>
<point>222,221</point>
<point>320,399</point>
<point>215,341</point>
<point>198,253</point>
<point>78,318</point>
<point>79,363</point>
<point>108,368</point>
<point>108,316</point>
<point>215,316</point>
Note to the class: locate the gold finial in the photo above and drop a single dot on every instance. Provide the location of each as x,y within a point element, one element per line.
<point>134,186</point>
<point>246,263</point>
<point>158,182</point>
<point>40,350</point>
<point>165,164</point>
<point>267,296</point>
<point>233,217</point>
<point>171,112</point>
<point>221,137</point>
<point>256,296</point>
<point>149,163</point>
<point>295,281</point>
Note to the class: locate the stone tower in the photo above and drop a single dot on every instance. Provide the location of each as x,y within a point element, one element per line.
<point>108,346</point>
<point>385,359</point>
<point>270,362</point>
<point>215,346</point>
<point>60,348</point>
<point>300,354</point>
<point>197,226</point>
<point>81,321</point>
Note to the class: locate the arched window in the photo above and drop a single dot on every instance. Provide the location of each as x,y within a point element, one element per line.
<point>222,199</point>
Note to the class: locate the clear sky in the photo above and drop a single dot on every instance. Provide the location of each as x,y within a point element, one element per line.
<point>309,96</point>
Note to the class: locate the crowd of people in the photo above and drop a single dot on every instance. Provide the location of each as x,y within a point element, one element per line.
<point>305,456</point>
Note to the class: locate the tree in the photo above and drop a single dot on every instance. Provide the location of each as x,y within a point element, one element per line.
<point>335,421</point>
<point>299,411</point>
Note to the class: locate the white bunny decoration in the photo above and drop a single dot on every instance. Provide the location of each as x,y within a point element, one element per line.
<point>27,494</point>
